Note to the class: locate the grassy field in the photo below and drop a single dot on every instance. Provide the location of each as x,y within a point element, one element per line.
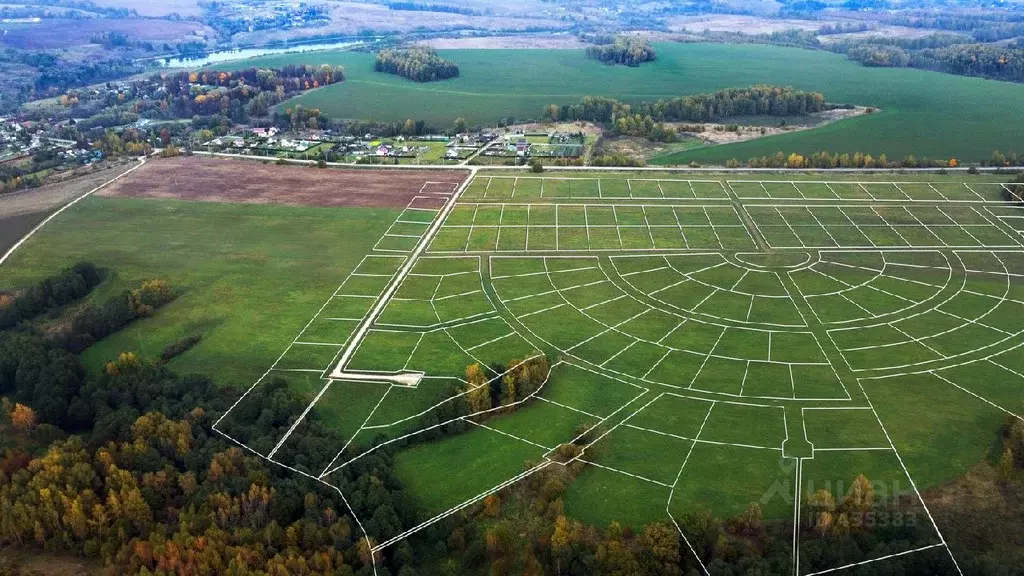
<point>862,327</point>
<point>248,277</point>
<point>697,374</point>
<point>921,113</point>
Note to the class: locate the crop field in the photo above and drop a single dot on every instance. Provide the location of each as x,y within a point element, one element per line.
<point>713,343</point>
<point>920,113</point>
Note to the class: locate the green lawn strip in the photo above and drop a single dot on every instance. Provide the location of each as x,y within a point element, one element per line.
<point>891,356</point>
<point>768,380</point>
<point>223,273</point>
<point>817,382</point>
<point>995,383</point>
<point>673,414</point>
<point>776,311</point>
<point>637,360</point>
<point>720,375</point>
<point>328,331</point>
<point>677,368</point>
<point>445,473</point>
<point>407,313</point>
<point>458,286</point>
<point>732,423</point>
<point>384,350</point>
<point>945,440</point>
<point>590,392</point>
<point>843,428</point>
<point>695,336</point>
<point>646,454</point>
<point>402,403</point>
<point>562,327</point>
<point>602,347</point>
<point>503,350</point>
<point>600,497</point>
<point>378,264</point>
<point>651,326</point>
<point>727,479</point>
<point>346,308</point>
<point>544,423</point>
<point>463,307</point>
<point>438,355</point>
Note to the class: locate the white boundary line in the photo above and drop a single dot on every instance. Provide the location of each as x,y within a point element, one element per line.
<point>142,162</point>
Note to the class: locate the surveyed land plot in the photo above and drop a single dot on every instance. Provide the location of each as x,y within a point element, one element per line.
<point>607,227</point>
<point>688,366</point>
<point>554,188</point>
<point>869,191</point>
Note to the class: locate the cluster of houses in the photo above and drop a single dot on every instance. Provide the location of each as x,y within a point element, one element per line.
<point>550,145</point>
<point>268,141</point>
<point>20,140</point>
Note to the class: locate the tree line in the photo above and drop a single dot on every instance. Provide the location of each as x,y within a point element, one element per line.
<point>646,119</point>
<point>941,52</point>
<point>424,7</point>
<point>826,160</point>
<point>417,63</point>
<point>760,100</point>
<point>625,50</point>
<point>128,470</point>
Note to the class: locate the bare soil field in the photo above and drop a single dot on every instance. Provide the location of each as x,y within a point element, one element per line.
<point>738,23</point>
<point>52,196</point>
<point>352,17</point>
<point>13,228</point>
<point>220,180</point>
<point>161,8</point>
<point>715,133</point>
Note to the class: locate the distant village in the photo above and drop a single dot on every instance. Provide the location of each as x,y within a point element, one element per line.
<point>424,149</point>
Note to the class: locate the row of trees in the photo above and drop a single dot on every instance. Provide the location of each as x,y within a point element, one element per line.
<point>68,285</point>
<point>147,487</point>
<point>417,63</point>
<point>624,50</point>
<point>827,160</point>
<point>988,61</point>
<point>760,100</point>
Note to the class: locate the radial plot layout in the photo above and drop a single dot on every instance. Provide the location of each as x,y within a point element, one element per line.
<point>696,345</point>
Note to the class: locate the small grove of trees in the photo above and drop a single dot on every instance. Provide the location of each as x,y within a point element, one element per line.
<point>626,50</point>
<point>481,393</point>
<point>98,321</point>
<point>67,286</point>
<point>825,160</point>
<point>417,63</point>
<point>760,100</point>
<point>1014,191</point>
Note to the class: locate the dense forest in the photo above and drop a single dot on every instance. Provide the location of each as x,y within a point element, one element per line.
<point>417,63</point>
<point>123,466</point>
<point>627,50</point>
<point>941,52</point>
<point>759,100</point>
<point>646,119</point>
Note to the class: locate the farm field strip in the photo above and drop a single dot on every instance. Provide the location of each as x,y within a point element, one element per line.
<point>527,227</point>
<point>873,226</point>
<point>869,191</point>
<point>525,188</point>
<point>672,336</point>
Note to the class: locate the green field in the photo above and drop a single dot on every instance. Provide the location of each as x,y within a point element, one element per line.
<point>713,343</point>
<point>922,113</point>
<point>248,277</point>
